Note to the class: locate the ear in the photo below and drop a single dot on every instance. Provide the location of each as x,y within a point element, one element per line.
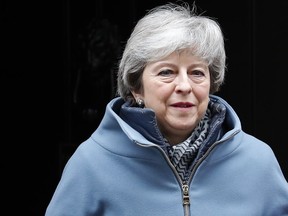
<point>135,95</point>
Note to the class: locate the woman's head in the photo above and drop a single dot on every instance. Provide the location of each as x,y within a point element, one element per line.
<point>164,30</point>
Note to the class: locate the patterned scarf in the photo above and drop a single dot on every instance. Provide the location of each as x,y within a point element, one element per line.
<point>183,154</point>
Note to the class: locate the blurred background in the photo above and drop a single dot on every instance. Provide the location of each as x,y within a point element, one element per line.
<point>58,73</point>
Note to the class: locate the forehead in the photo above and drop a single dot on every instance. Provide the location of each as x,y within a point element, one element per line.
<point>179,57</point>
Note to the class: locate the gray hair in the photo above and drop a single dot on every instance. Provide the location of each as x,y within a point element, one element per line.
<point>164,30</point>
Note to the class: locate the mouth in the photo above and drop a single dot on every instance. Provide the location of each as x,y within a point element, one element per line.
<point>182,105</point>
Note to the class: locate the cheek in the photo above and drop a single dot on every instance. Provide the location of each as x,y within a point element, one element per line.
<point>156,97</point>
<point>202,93</point>
<point>162,93</point>
<point>204,100</point>
<point>158,90</point>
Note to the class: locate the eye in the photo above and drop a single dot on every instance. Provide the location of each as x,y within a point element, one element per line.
<point>197,73</point>
<point>165,73</point>
<point>198,76</point>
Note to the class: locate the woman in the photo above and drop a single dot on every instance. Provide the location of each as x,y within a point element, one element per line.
<point>167,145</point>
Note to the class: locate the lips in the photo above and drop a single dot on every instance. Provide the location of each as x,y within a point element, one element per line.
<point>182,104</point>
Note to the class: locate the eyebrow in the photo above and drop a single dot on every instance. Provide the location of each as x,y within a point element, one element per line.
<point>164,63</point>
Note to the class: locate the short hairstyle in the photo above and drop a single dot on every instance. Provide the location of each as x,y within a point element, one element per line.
<point>164,30</point>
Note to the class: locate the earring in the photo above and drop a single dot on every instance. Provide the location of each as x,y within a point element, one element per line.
<point>140,102</point>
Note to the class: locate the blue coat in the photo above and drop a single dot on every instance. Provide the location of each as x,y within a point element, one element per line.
<point>118,172</point>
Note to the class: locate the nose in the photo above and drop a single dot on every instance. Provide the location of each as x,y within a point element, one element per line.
<point>183,84</point>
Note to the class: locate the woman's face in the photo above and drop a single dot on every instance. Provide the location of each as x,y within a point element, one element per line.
<point>177,89</point>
